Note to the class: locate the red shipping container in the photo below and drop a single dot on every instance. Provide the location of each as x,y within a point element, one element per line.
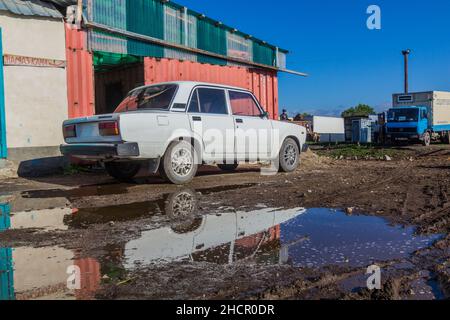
<point>80,74</point>
<point>264,84</point>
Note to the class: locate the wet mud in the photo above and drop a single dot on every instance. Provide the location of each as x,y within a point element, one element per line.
<point>307,235</point>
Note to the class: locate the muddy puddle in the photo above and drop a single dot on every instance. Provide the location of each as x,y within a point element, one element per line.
<point>312,238</point>
<point>45,273</point>
<point>303,238</point>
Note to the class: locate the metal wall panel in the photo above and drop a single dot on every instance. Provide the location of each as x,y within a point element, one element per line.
<point>101,41</point>
<point>145,17</point>
<point>263,54</point>
<point>264,84</point>
<point>80,74</point>
<point>239,47</point>
<point>282,60</point>
<point>213,39</point>
<point>165,20</point>
<point>174,31</point>
<point>110,13</point>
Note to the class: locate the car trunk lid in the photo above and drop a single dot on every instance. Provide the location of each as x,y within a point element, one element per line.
<point>95,129</point>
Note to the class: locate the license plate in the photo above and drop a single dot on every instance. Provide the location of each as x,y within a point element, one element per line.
<point>402,139</point>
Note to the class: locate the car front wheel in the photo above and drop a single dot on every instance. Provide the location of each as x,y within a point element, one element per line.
<point>289,156</point>
<point>179,164</point>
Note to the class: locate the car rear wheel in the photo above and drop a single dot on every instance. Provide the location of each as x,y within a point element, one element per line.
<point>123,171</point>
<point>289,156</point>
<point>228,167</point>
<point>179,164</point>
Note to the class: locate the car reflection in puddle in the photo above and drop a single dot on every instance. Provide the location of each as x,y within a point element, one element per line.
<point>304,238</point>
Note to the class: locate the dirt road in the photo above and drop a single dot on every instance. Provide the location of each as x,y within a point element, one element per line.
<point>240,235</point>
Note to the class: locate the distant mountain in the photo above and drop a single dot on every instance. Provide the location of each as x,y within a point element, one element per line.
<point>334,112</point>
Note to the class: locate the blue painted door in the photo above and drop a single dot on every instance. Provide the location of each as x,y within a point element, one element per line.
<point>6,263</point>
<point>3,149</point>
<point>356,131</point>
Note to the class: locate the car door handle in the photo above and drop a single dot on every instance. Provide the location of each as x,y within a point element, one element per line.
<point>239,121</point>
<point>197,119</point>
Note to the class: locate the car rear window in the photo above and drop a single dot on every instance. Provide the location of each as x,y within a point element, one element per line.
<point>153,98</point>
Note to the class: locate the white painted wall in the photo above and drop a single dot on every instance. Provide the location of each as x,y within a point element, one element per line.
<point>35,97</point>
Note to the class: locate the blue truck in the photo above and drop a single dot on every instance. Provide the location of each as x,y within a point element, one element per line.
<point>419,117</point>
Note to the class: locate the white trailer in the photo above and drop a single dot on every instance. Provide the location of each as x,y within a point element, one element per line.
<point>330,129</point>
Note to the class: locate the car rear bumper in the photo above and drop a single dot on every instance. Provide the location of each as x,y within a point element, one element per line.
<point>101,151</point>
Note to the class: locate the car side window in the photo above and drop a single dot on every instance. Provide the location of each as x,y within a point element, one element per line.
<point>243,104</point>
<point>212,101</point>
<point>194,106</point>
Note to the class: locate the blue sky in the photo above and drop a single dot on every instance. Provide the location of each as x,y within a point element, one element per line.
<point>348,63</point>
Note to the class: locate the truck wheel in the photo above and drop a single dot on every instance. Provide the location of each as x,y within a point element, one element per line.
<point>447,138</point>
<point>179,164</point>
<point>427,139</point>
<point>228,167</point>
<point>123,171</point>
<point>289,156</point>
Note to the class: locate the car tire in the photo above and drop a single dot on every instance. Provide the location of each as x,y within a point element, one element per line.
<point>289,156</point>
<point>447,138</point>
<point>228,167</point>
<point>181,208</point>
<point>426,139</point>
<point>123,171</point>
<point>179,164</point>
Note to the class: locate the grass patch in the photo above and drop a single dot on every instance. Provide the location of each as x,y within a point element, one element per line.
<point>352,151</point>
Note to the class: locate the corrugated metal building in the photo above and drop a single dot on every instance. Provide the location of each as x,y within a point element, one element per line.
<point>125,44</point>
<point>33,89</point>
<point>106,48</point>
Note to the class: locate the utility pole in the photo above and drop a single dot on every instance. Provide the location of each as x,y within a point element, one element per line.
<point>406,56</point>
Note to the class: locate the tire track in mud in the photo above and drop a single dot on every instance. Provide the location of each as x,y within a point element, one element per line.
<point>375,185</point>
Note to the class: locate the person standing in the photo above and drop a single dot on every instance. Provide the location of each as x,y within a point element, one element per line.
<point>284,116</point>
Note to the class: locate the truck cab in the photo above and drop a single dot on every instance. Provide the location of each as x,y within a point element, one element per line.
<point>408,124</point>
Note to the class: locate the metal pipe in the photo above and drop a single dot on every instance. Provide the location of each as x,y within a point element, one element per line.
<point>186,26</point>
<point>79,13</point>
<point>405,56</point>
<point>140,37</point>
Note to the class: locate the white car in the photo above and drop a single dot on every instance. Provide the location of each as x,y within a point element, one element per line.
<point>175,127</point>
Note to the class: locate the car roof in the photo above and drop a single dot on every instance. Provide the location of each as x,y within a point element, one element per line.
<point>192,84</point>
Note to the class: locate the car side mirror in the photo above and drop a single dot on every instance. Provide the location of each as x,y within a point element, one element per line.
<point>265,115</point>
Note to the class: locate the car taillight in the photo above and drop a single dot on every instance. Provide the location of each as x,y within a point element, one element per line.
<point>70,131</point>
<point>109,128</point>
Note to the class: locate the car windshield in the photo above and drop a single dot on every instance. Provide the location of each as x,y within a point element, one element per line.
<point>155,97</point>
<point>403,115</point>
